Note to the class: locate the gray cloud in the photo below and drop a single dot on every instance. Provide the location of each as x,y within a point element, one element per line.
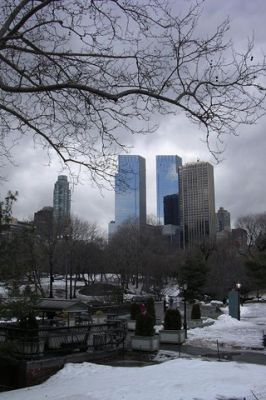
<point>239,179</point>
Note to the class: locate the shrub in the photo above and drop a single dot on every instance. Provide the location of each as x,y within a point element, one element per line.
<point>7,348</point>
<point>172,320</point>
<point>28,328</point>
<point>144,325</point>
<point>195,311</point>
<point>99,313</point>
<point>134,311</point>
<point>151,309</point>
<point>117,296</point>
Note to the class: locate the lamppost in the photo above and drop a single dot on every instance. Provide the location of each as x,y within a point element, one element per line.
<point>185,308</point>
<point>66,237</point>
<point>238,286</point>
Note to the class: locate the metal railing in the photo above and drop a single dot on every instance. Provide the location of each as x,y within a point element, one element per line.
<point>35,343</point>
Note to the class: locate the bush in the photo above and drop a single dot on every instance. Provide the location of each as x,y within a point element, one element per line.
<point>7,348</point>
<point>144,325</point>
<point>134,311</point>
<point>117,296</point>
<point>99,313</point>
<point>172,320</point>
<point>151,309</point>
<point>28,328</point>
<point>195,312</point>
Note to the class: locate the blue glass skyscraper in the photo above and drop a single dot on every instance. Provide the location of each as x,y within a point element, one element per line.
<point>166,180</point>
<point>130,190</point>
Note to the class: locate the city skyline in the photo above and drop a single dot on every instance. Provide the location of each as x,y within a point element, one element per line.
<point>152,182</point>
<point>240,182</point>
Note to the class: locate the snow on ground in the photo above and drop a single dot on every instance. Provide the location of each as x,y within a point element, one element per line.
<point>179,379</point>
<point>3,290</point>
<point>246,333</point>
<point>171,290</point>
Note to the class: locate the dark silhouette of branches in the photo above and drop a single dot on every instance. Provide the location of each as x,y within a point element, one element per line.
<point>78,75</point>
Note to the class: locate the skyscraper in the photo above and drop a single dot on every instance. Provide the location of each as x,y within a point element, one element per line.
<point>197,204</point>
<point>62,199</point>
<point>130,190</point>
<point>166,180</point>
<point>223,220</point>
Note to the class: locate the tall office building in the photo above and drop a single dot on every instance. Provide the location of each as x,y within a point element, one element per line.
<point>166,180</point>
<point>223,220</point>
<point>130,190</point>
<point>62,199</point>
<point>197,204</point>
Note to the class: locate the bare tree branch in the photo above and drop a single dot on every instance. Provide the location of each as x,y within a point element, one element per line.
<point>79,75</point>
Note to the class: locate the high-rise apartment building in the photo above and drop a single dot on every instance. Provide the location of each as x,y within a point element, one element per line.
<point>166,180</point>
<point>223,220</point>
<point>130,190</point>
<point>197,204</point>
<point>62,199</point>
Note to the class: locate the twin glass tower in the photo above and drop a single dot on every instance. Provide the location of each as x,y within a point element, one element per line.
<point>130,188</point>
<point>185,195</point>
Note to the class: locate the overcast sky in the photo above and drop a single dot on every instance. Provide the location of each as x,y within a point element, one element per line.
<point>239,179</point>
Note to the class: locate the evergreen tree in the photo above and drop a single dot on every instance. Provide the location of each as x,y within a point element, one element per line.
<point>144,325</point>
<point>134,311</point>
<point>151,309</point>
<point>194,272</point>
<point>195,311</point>
<point>256,269</point>
<point>172,320</point>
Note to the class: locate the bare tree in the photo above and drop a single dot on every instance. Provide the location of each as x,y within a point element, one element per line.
<point>254,225</point>
<point>83,253</point>
<point>77,74</point>
<point>83,230</point>
<point>123,253</point>
<point>141,254</point>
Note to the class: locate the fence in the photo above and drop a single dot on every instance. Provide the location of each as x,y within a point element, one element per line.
<point>35,343</point>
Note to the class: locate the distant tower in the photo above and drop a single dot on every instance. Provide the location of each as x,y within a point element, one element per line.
<point>62,199</point>
<point>166,180</point>
<point>223,220</point>
<point>43,221</point>
<point>197,204</point>
<point>130,190</point>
